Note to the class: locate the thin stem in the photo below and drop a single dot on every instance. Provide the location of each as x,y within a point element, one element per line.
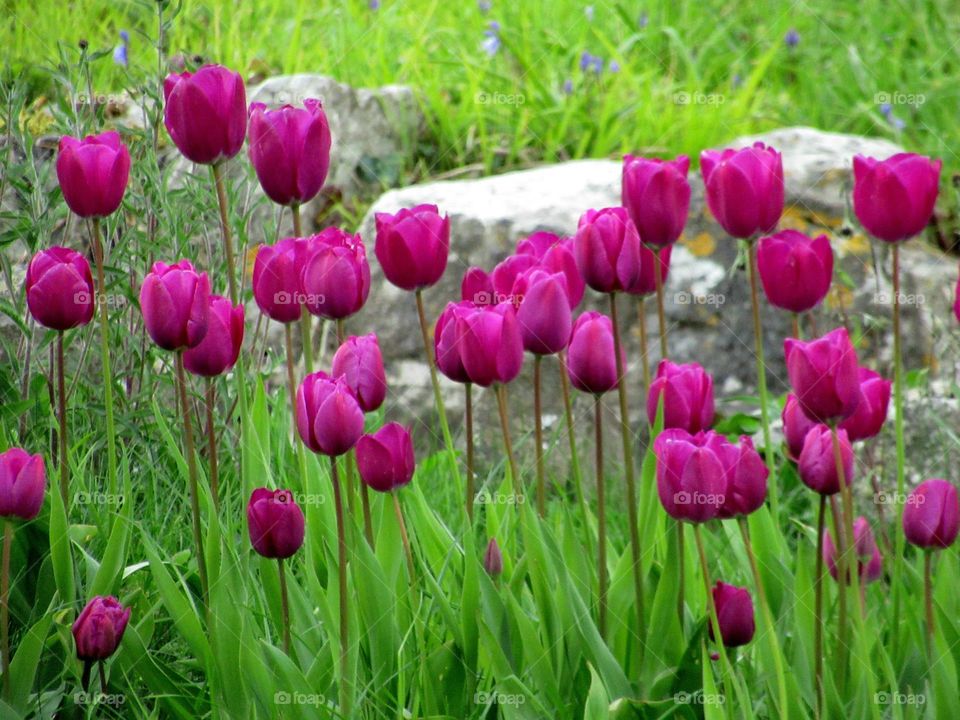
<point>291,375</point>
<point>501,392</point>
<point>62,414</point>
<point>342,579</point>
<point>644,352</point>
<point>341,331</point>
<point>434,379</point>
<point>538,437</point>
<point>225,233</point>
<point>712,609</point>
<point>601,518</point>
<point>103,677</point>
<point>5,604</point>
<point>192,474</point>
<point>627,438</point>
<point>928,600</point>
<point>901,447</point>
<point>297,227</point>
<point>468,400</point>
<point>795,325</point>
<point>85,677</point>
<point>681,571</point>
<point>661,315</point>
<point>818,609</point>
<point>284,606</point>
<point>211,399</point>
<point>101,300</point>
<point>847,567</point>
<point>305,339</point>
<point>367,518</point>
<point>404,538</point>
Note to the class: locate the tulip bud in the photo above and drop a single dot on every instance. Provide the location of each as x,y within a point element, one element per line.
<point>477,287</point>
<point>817,464</point>
<point>687,391</point>
<point>894,198</point>
<point>446,342</point>
<point>23,480</point>
<point>412,246</point>
<point>59,289</point>
<point>591,362</point>
<point>206,113</point>
<point>745,473</point>
<point>824,375</point>
<point>656,194</point>
<point>93,173</point>
<point>506,274</point>
<point>491,347</point>
<point>931,516</point>
<point>956,301</point>
<point>290,150</point>
<point>867,420</point>
<point>796,425</point>
<point>691,481</point>
<point>555,254</point>
<point>385,458</point>
<point>275,523</point>
<point>869,560</point>
<point>493,559</point>
<point>359,362</point>
<point>276,279</point>
<point>336,278</point>
<point>544,315</point>
<point>99,628</point>
<point>796,271</point>
<point>744,188</point>
<point>734,614</point>
<point>650,261</point>
<point>220,347</point>
<point>607,250</point>
<point>174,300</point>
<point>329,419</point>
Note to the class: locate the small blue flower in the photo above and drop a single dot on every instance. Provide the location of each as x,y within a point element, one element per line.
<point>792,38</point>
<point>568,86</point>
<point>491,38</point>
<point>374,4</point>
<point>484,6</point>
<point>589,12</point>
<point>886,109</point>
<point>120,51</point>
<point>644,20</point>
<point>614,66</point>
<point>591,63</point>
<point>737,80</point>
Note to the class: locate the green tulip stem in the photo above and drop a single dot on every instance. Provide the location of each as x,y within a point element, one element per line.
<point>468,422</point>
<point>928,601</point>
<point>62,415</point>
<point>712,616</point>
<point>101,670</point>
<point>501,393</point>
<point>795,325</point>
<point>5,605</point>
<point>211,401</point>
<point>601,519</point>
<point>901,450</point>
<point>538,436</point>
<point>304,313</point>
<point>818,609</point>
<point>644,352</point>
<point>225,233</point>
<point>404,538</point>
<point>574,456</point>
<point>284,606</point>
<point>101,301</point>
<point>344,602</point>
<point>661,315</point>
<point>847,569</point>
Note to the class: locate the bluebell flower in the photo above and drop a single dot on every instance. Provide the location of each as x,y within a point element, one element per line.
<point>614,66</point>
<point>484,6</point>
<point>644,20</point>
<point>886,109</point>
<point>568,86</point>
<point>792,38</point>
<point>588,11</point>
<point>374,4</point>
<point>120,51</point>
<point>591,63</point>
<point>737,80</point>
<point>491,38</point>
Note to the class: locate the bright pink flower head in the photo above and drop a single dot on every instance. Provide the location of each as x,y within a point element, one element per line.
<point>59,288</point>
<point>174,300</point>
<point>477,287</point>
<point>591,362</point>
<point>505,276</point>
<point>336,278</point>
<point>894,198</point>
<point>544,314</point>
<point>23,480</point>
<point>745,473</point>
<point>607,250</point>
<point>276,279</point>
<point>491,347</point>
<point>446,341</point>
<point>206,113</point>
<point>412,246</point>
<point>931,516</point>
<point>691,480</point>
<point>556,255</point>
<point>687,391</point>
<point>867,420</point>
<point>99,628</point>
<point>956,301</point>
<point>656,193</point>
<point>817,464</point>
<point>796,425</point>
<point>744,188</point>
<point>795,270</point>
<point>275,523</point>
<point>646,283</point>
<point>385,458</point>
<point>824,375</point>
<point>359,362</point>
<point>290,150</point>
<point>734,614</point>
<point>220,347</point>
<point>869,560</point>
<point>329,418</point>
<point>93,173</point>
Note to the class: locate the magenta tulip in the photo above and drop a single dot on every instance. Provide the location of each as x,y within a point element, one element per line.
<point>745,473</point>
<point>607,250</point>
<point>817,463</point>
<point>359,362</point>
<point>824,375</point>
<point>656,194</point>
<point>99,628</point>
<point>329,418</point>
<point>206,113</point>
<point>336,278</point>
<point>591,363</point>
<point>691,481</point>
<point>796,425</point>
<point>493,559</point>
<point>867,420</point>
<point>506,274</point>
<point>412,246</point>
<point>556,255</point>
<point>446,341</point>
<point>687,392</point>
<point>956,301</point>
<point>174,300</point>
<point>894,198</point>
<point>276,279</point>
<point>931,516</point>
<point>744,188</point>
<point>869,560</point>
<point>544,314</point>
<point>646,282</point>
<point>23,480</point>
<point>796,270</point>
<point>220,347</point>
<point>59,288</point>
<point>491,346</point>
<point>477,287</point>
<point>734,614</point>
<point>385,458</point>
<point>275,523</point>
<point>290,150</point>
<point>93,173</point>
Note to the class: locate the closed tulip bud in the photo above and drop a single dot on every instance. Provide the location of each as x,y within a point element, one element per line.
<point>931,516</point>
<point>220,347</point>
<point>795,270</point>
<point>23,480</point>
<point>687,391</point>
<point>493,559</point>
<point>329,418</point>
<point>956,301</point>
<point>824,375</point>
<point>93,173</point>
<point>359,362</point>
<point>491,347</point>
<point>734,614</point>
<point>867,420</point>
<point>290,150</point>
<point>607,250</point>
<point>59,289</point>
<point>385,458</point>
<point>544,314</point>
<point>691,481</point>
<point>650,261</point>
<point>275,522</point>
<point>745,473</point>
<point>412,246</point>
<point>555,254</point>
<point>656,194</point>
<point>99,628</point>
<point>477,287</point>
<point>894,198</point>
<point>506,274</point>
<point>591,362</point>
<point>817,464</point>
<point>336,278</point>
<point>446,342</point>
<point>276,279</point>
<point>869,560</point>
<point>174,300</point>
<point>744,188</point>
<point>206,113</point>
<point>796,425</point>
